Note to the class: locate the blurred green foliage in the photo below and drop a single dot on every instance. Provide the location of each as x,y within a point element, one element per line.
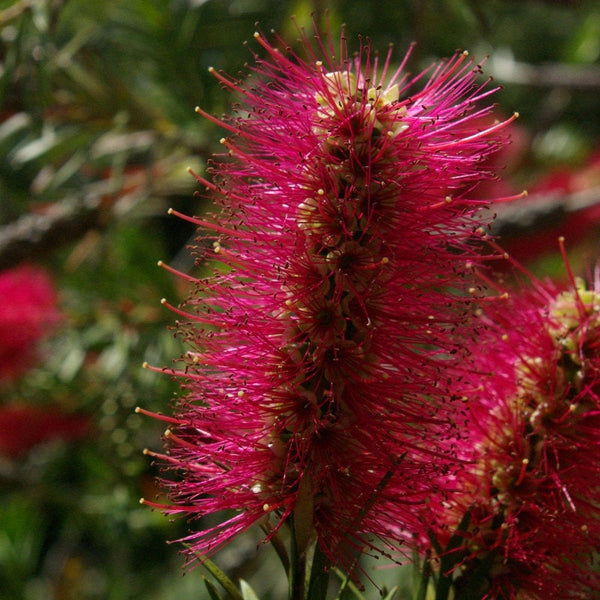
<point>97,121</point>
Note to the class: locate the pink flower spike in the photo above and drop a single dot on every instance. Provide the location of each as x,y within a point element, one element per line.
<point>325,332</point>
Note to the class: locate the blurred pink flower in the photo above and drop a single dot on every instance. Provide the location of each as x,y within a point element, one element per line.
<point>568,203</point>
<point>27,313</point>
<point>23,426</point>
<point>319,348</point>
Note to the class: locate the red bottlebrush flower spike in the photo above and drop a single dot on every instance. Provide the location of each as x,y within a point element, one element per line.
<point>317,347</point>
<point>532,484</point>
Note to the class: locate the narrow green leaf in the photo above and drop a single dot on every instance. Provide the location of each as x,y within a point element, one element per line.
<point>212,589</point>
<point>457,539</point>
<point>279,547</point>
<point>216,572</point>
<point>225,582</point>
<point>449,557</point>
<point>477,579</point>
<point>421,582</point>
<point>436,545</point>
<point>390,595</point>
<point>347,585</point>
<point>247,591</point>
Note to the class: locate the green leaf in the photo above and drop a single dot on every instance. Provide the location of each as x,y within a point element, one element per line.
<point>278,546</point>
<point>216,572</point>
<point>212,589</point>
<point>421,576</point>
<point>391,593</point>
<point>347,585</point>
<point>225,582</point>
<point>247,592</point>
<point>449,557</point>
<point>478,578</point>
<point>436,545</point>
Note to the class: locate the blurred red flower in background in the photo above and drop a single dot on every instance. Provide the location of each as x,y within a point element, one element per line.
<point>28,311</point>
<point>562,202</point>
<point>24,426</point>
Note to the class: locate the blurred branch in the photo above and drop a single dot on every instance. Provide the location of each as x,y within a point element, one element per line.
<point>540,211</point>
<point>34,235</point>
<point>508,70</point>
<point>13,11</point>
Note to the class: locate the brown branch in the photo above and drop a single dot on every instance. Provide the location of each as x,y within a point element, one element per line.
<point>15,10</point>
<point>540,211</point>
<point>33,236</point>
<point>508,70</point>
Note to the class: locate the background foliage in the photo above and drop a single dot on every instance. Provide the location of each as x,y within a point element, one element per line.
<point>97,129</point>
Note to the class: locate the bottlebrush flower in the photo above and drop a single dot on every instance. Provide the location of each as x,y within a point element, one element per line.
<point>27,311</point>
<point>319,347</point>
<point>531,487</point>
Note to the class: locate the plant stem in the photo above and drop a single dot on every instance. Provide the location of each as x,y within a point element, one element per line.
<point>319,576</point>
<point>297,570</point>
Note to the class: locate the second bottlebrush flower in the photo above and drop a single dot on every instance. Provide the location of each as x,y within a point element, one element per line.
<point>521,520</point>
